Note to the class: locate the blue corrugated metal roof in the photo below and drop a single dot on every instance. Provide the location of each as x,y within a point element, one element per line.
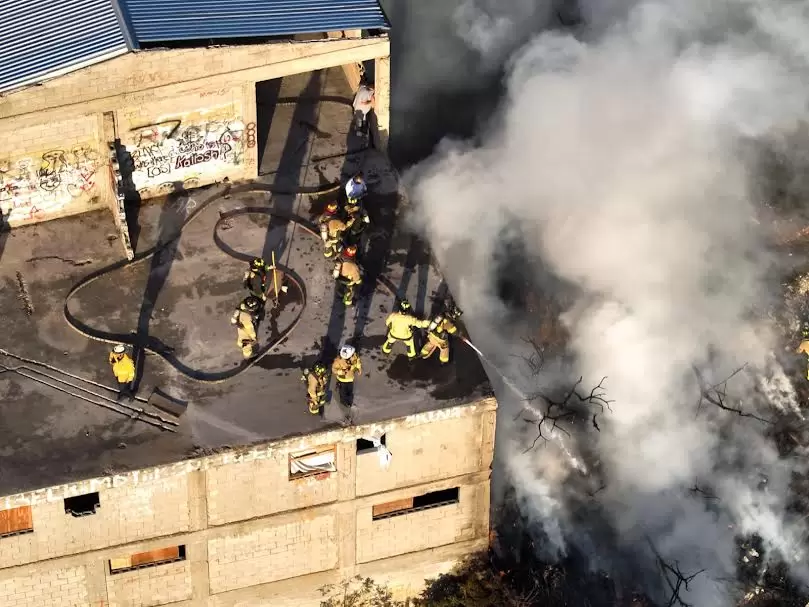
<point>39,38</point>
<point>44,38</point>
<point>168,20</point>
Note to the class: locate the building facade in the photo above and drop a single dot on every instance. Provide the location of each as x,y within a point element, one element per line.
<point>182,117</point>
<point>265,525</point>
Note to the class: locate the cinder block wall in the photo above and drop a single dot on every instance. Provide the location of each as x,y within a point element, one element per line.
<point>253,535</point>
<point>52,170</point>
<point>187,116</point>
<point>189,141</point>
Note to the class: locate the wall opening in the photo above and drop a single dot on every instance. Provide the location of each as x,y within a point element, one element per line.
<point>311,462</point>
<point>433,499</point>
<point>16,521</point>
<point>151,558</point>
<point>367,446</point>
<point>82,505</point>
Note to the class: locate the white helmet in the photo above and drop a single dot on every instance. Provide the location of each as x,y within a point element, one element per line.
<point>119,349</point>
<point>347,352</point>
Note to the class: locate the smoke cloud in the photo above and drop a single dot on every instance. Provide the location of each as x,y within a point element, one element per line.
<point>626,155</point>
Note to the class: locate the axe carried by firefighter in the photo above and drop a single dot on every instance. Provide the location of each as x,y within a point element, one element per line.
<point>274,276</point>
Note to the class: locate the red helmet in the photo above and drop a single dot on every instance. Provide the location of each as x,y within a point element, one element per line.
<point>350,251</point>
<point>331,208</point>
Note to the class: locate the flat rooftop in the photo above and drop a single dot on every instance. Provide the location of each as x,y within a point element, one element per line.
<point>51,434</point>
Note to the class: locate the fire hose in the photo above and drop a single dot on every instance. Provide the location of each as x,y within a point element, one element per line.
<point>146,344</point>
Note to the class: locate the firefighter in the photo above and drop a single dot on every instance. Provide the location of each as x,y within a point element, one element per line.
<point>356,222</point>
<point>356,189</point>
<point>363,104</point>
<point>400,328</point>
<point>344,368</point>
<point>438,332</point>
<point>316,383</point>
<point>332,229</point>
<point>246,320</point>
<point>123,367</point>
<point>257,278</point>
<point>803,347</point>
<point>348,274</point>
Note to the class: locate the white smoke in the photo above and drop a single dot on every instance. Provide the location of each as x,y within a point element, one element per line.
<point>623,155</point>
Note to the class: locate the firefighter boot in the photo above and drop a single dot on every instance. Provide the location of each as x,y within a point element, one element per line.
<point>348,295</point>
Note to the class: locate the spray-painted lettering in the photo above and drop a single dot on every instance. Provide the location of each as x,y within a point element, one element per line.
<point>32,189</point>
<point>168,151</point>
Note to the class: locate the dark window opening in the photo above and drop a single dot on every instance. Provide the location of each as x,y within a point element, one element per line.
<point>82,505</point>
<point>16,521</point>
<point>152,558</point>
<point>366,446</point>
<point>434,499</point>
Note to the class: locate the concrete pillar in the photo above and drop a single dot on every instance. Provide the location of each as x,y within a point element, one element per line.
<point>250,135</point>
<point>352,73</point>
<point>197,550</point>
<point>114,198</point>
<point>346,511</point>
<point>488,421</point>
<point>382,105</point>
<point>95,574</point>
<point>197,500</point>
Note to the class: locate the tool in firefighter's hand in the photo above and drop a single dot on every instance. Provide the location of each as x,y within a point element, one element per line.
<point>274,276</point>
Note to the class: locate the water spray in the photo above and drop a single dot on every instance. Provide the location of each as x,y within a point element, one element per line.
<point>494,367</point>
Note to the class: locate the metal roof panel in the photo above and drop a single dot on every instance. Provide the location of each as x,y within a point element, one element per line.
<point>171,20</point>
<point>44,38</point>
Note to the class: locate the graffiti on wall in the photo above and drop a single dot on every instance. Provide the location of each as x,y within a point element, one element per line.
<point>32,188</point>
<point>250,135</point>
<point>175,151</point>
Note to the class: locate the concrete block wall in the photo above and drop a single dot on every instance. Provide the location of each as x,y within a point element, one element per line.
<point>187,116</point>
<point>126,514</point>
<point>252,536</point>
<point>52,170</point>
<point>50,588</point>
<point>148,76</point>
<point>418,530</point>
<point>276,552</point>
<point>151,586</point>
<point>423,453</point>
<point>264,488</point>
<point>188,141</point>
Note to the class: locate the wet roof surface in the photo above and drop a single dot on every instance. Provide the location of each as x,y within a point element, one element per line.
<point>52,437</point>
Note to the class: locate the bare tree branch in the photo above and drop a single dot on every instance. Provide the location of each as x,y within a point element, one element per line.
<point>548,413</point>
<point>717,396</point>
<point>536,359</point>
<point>697,490</point>
<point>551,412</point>
<point>675,579</point>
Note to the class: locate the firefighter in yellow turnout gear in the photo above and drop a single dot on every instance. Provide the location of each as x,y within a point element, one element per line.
<point>344,368</point>
<point>332,229</point>
<point>348,274</point>
<point>123,367</point>
<point>441,327</point>
<point>257,278</point>
<point>316,384</point>
<point>246,319</point>
<point>803,347</point>
<point>400,328</point>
